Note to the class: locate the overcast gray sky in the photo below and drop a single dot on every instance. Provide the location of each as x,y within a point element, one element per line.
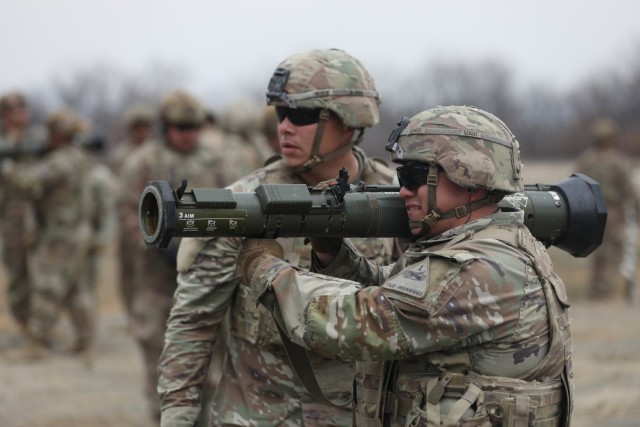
<point>224,43</point>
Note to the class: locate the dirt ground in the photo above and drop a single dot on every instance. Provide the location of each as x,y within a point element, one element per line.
<point>62,391</point>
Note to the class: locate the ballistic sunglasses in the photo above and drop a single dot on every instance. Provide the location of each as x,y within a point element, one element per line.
<point>299,116</point>
<point>186,126</point>
<point>413,175</point>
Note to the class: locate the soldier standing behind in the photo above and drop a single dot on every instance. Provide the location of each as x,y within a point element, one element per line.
<point>17,225</point>
<point>324,99</point>
<point>178,154</point>
<point>606,164</point>
<point>58,186</point>
<point>139,120</point>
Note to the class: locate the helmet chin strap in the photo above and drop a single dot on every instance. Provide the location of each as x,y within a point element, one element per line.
<point>315,157</point>
<point>427,222</point>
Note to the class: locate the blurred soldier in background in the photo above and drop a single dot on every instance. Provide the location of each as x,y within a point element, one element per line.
<point>269,128</point>
<point>17,224</point>
<point>178,154</point>
<point>102,214</point>
<point>604,162</point>
<point>237,139</point>
<point>58,186</point>
<point>139,120</point>
<point>325,99</point>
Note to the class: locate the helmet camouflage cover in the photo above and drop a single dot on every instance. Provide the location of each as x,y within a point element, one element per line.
<point>12,100</point>
<point>474,147</point>
<point>181,108</point>
<point>67,123</point>
<point>603,128</point>
<point>139,114</point>
<point>328,79</point>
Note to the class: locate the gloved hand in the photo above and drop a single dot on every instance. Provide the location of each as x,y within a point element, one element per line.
<point>251,253</point>
<point>323,185</point>
<point>326,245</point>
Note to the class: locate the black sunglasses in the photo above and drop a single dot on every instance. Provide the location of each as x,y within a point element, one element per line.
<point>186,126</point>
<point>299,116</point>
<point>413,175</point>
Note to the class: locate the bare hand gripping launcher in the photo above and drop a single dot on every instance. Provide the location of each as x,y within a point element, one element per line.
<point>570,215</point>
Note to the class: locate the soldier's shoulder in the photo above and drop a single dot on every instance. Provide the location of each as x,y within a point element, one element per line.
<point>377,171</point>
<point>425,283</point>
<point>273,173</point>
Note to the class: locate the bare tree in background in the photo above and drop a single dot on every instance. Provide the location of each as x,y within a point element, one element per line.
<point>101,93</point>
<point>548,123</point>
<point>486,84</point>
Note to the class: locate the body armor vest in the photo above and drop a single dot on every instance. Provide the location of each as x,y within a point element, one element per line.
<point>441,389</point>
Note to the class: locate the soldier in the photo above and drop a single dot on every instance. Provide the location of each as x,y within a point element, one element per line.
<point>57,184</point>
<point>324,100</point>
<point>471,325</point>
<point>604,162</point>
<point>17,225</point>
<point>235,138</point>
<point>177,155</point>
<point>139,120</point>
<point>102,215</point>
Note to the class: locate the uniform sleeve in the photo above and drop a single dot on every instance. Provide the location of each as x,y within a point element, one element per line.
<point>440,303</point>
<point>352,265</point>
<point>201,300</point>
<point>133,177</point>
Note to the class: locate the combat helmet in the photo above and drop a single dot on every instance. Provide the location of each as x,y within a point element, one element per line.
<point>474,148</point>
<point>66,124</point>
<point>240,117</point>
<point>139,114</point>
<point>330,80</point>
<point>11,100</point>
<point>604,130</point>
<point>180,108</point>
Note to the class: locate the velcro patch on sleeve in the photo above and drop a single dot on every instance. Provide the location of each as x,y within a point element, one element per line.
<point>412,281</point>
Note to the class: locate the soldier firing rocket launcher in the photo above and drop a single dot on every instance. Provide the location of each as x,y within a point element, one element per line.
<point>570,214</point>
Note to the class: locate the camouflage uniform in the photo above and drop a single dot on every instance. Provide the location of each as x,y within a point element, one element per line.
<point>470,327</point>
<point>154,271</point>
<point>17,223</point>
<point>608,166</point>
<point>258,386</point>
<point>58,186</point>
<point>102,219</point>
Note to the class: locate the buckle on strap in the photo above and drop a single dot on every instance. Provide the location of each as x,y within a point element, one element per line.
<point>437,392</point>
<point>312,161</point>
<point>461,211</point>
<point>432,179</point>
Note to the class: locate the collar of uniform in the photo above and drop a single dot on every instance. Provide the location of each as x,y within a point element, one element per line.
<point>498,218</point>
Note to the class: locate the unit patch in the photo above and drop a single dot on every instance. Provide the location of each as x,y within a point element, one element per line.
<point>412,281</point>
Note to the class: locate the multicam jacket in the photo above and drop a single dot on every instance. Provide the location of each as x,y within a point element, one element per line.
<point>258,386</point>
<point>478,304</point>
